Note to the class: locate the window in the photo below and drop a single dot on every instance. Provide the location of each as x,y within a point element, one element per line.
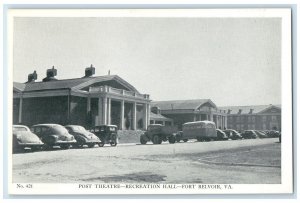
<point>253,118</point>
<point>238,118</point>
<point>264,118</point>
<point>249,119</point>
<point>274,118</point>
<point>264,127</point>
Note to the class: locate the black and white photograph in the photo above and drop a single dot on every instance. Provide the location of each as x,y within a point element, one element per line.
<point>150,101</point>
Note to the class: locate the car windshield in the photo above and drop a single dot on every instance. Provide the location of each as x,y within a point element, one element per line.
<point>20,129</point>
<point>59,129</point>
<point>112,128</point>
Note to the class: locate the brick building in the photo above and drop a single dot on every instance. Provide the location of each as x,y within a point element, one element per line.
<point>85,101</point>
<point>182,111</point>
<point>259,117</point>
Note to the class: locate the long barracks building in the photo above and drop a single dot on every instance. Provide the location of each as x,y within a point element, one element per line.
<point>85,101</point>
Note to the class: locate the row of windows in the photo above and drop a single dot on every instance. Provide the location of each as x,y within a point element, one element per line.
<point>251,118</point>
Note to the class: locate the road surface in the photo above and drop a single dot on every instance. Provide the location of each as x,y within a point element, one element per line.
<point>255,161</point>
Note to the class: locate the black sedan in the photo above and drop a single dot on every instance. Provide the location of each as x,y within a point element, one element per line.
<point>82,136</point>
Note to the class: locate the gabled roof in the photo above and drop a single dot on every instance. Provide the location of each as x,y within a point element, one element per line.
<point>19,87</point>
<point>75,84</point>
<point>159,117</point>
<point>246,109</point>
<point>181,104</point>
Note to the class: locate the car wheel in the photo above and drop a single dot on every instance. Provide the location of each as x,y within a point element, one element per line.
<point>36,148</point>
<point>185,140</point>
<point>101,144</point>
<point>157,139</point>
<point>91,145</point>
<point>143,140</point>
<point>65,146</point>
<point>172,139</point>
<point>113,144</point>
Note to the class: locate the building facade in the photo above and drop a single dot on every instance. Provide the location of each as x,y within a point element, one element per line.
<point>182,111</point>
<point>86,101</point>
<point>259,117</point>
<point>157,118</point>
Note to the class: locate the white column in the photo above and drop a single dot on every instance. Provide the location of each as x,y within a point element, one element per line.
<point>108,111</point>
<point>134,116</point>
<point>148,114</point>
<point>20,109</point>
<point>104,107</point>
<point>217,123</point>
<point>122,115</point>
<point>145,119</point>
<point>225,122</point>
<point>100,111</point>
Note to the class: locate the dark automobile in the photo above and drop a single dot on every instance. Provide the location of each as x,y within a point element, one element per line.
<point>107,134</point>
<point>233,134</point>
<point>54,135</point>
<point>23,137</point>
<point>178,136</point>
<point>221,135</point>
<point>261,134</point>
<point>82,136</point>
<point>272,133</point>
<point>249,134</point>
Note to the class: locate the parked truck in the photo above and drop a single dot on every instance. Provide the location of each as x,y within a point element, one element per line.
<point>156,133</point>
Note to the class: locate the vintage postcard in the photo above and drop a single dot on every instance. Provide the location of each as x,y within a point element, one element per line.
<point>149,101</point>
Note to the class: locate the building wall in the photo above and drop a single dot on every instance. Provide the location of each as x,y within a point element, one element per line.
<point>16,106</point>
<point>78,111</point>
<point>180,119</point>
<point>45,110</point>
<point>254,122</point>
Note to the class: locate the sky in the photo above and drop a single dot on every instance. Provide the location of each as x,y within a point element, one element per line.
<point>232,61</point>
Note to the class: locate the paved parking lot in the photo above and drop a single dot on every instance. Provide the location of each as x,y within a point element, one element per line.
<point>234,162</point>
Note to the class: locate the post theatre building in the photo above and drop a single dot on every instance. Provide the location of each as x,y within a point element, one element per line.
<point>85,101</point>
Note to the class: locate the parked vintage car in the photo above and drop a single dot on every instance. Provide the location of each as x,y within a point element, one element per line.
<point>156,133</point>
<point>233,134</point>
<point>272,133</point>
<point>178,136</point>
<point>82,136</point>
<point>54,135</point>
<point>221,135</point>
<point>249,134</point>
<point>23,138</point>
<point>108,134</point>
<point>261,134</point>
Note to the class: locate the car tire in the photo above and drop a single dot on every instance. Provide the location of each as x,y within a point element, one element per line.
<point>113,144</point>
<point>143,140</point>
<point>172,139</point>
<point>91,145</point>
<point>65,146</point>
<point>185,140</point>
<point>157,139</point>
<point>101,144</point>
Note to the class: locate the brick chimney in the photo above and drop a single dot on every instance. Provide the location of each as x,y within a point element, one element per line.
<point>51,73</point>
<point>89,71</point>
<point>228,111</point>
<point>251,111</point>
<point>32,77</point>
<point>240,111</point>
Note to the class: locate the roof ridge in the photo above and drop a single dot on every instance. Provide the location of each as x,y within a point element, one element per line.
<point>58,80</point>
